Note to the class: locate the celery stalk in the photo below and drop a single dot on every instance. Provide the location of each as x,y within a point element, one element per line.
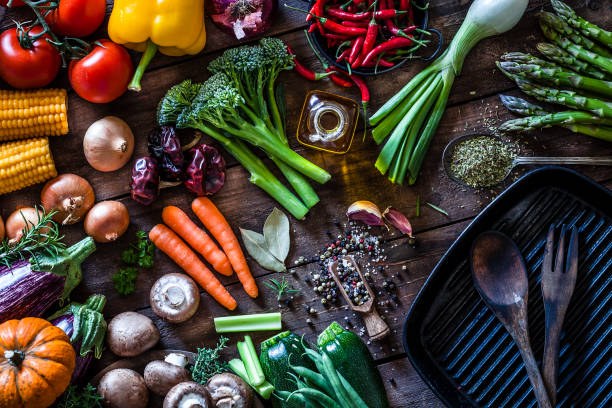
<point>248,323</point>
<point>265,390</point>
<point>249,357</point>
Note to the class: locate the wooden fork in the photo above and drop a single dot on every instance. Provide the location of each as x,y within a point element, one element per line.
<point>557,288</point>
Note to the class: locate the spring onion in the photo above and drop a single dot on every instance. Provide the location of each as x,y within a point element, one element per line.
<point>410,118</point>
<point>248,323</point>
<point>249,357</point>
<point>265,390</point>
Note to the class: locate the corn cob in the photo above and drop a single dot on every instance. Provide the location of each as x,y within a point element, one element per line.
<point>25,162</point>
<point>26,114</point>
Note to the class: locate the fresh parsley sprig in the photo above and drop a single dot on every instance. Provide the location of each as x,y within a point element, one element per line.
<point>85,397</point>
<point>140,255</point>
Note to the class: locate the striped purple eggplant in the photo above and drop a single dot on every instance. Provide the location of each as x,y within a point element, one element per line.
<point>29,288</point>
<point>86,327</point>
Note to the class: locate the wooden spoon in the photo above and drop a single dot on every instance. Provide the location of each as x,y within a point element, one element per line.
<point>376,326</point>
<point>500,277</point>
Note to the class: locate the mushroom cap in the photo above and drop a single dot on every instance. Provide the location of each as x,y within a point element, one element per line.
<point>161,376</point>
<point>175,297</point>
<point>131,334</point>
<point>229,391</point>
<point>187,394</point>
<point>123,388</point>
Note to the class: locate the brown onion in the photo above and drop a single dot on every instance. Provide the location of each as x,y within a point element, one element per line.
<point>108,144</point>
<point>15,223</point>
<point>1,229</point>
<point>107,221</point>
<point>70,195</point>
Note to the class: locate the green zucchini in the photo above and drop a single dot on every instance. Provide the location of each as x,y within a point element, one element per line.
<point>278,355</point>
<point>353,360</point>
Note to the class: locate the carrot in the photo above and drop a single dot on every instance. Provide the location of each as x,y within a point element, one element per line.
<point>199,240</point>
<point>170,244</point>
<point>215,222</point>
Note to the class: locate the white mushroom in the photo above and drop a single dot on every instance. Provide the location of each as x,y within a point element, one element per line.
<point>161,376</point>
<point>123,388</point>
<point>187,395</point>
<point>131,334</point>
<point>229,391</point>
<point>175,297</point>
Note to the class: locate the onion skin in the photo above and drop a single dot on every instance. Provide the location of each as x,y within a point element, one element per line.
<point>108,144</point>
<point>15,222</point>
<point>107,221</point>
<point>70,195</point>
<point>253,23</point>
<point>2,232</point>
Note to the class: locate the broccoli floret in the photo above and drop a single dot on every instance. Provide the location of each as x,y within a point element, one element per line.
<point>176,100</point>
<point>275,52</point>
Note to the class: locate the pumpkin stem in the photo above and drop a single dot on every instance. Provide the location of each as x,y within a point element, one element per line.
<point>14,357</point>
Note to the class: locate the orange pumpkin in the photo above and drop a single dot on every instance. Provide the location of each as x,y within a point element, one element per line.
<point>36,363</point>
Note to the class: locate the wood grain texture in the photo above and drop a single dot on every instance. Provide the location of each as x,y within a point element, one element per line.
<point>474,107</point>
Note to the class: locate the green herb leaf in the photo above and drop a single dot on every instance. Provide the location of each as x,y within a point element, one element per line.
<point>129,257</point>
<point>276,234</point>
<point>255,245</point>
<point>281,288</point>
<point>418,206</point>
<point>125,279</point>
<point>438,209</point>
<point>75,397</point>
<point>208,362</point>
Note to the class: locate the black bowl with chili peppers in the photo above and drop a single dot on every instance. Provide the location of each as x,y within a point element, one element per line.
<point>369,37</point>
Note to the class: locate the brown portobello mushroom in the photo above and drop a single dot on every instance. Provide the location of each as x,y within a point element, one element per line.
<point>175,297</point>
<point>123,388</point>
<point>160,376</point>
<point>229,391</point>
<point>188,395</point>
<point>130,334</point>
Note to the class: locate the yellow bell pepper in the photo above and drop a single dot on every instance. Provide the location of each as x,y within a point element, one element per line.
<point>174,27</point>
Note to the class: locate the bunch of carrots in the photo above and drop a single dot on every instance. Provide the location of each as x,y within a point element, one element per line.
<point>170,238</point>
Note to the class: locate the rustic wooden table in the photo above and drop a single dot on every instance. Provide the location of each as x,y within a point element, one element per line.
<point>473,107</point>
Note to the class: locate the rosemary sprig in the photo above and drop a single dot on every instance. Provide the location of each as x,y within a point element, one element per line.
<point>438,209</point>
<point>281,287</point>
<point>40,239</point>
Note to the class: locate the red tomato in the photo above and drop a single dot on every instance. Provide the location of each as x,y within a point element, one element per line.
<point>103,74</point>
<point>77,18</point>
<point>24,69</point>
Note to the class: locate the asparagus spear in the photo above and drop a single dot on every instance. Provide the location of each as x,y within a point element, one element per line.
<point>585,27</point>
<point>603,63</point>
<point>562,57</point>
<point>573,35</point>
<point>553,74</point>
<point>575,121</point>
<point>563,97</point>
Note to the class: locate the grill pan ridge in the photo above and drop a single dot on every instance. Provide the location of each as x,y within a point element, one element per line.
<point>464,353</point>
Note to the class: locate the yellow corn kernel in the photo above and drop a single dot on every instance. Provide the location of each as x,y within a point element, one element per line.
<point>26,114</point>
<point>25,162</point>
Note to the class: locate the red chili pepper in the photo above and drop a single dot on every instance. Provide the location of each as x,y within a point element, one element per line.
<point>365,98</point>
<point>337,79</point>
<point>343,55</point>
<point>338,37</point>
<point>349,23</point>
<point>305,72</point>
<point>395,42</point>
<point>340,29</point>
<point>370,39</point>
<point>404,5</point>
<point>388,13</point>
<point>404,32</point>
<point>382,63</point>
<point>380,14</point>
<point>357,47</point>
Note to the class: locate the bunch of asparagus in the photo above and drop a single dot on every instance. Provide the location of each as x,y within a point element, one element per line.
<point>577,74</point>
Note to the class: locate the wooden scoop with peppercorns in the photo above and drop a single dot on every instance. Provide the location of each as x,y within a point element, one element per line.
<point>358,294</point>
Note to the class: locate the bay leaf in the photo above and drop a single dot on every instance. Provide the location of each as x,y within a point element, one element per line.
<point>255,244</point>
<point>276,234</point>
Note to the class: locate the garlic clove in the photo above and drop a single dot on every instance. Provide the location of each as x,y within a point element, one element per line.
<point>398,220</point>
<point>366,212</point>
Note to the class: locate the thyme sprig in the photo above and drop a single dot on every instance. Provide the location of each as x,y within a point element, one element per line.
<point>38,239</point>
<point>208,362</point>
<point>281,288</point>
